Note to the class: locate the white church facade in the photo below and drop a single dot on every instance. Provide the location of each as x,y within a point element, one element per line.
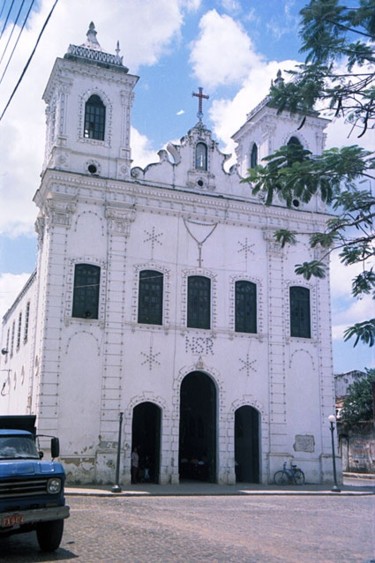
<point>161,293</point>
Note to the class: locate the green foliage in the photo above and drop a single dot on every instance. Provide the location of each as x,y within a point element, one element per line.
<point>364,331</point>
<point>334,37</point>
<point>358,405</point>
<point>314,268</point>
<point>283,236</point>
<point>332,34</point>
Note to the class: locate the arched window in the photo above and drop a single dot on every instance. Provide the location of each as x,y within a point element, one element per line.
<point>295,152</point>
<point>294,141</point>
<point>199,302</point>
<point>201,156</point>
<point>150,297</point>
<point>245,306</point>
<point>94,118</point>
<point>86,291</point>
<point>300,312</point>
<point>254,156</point>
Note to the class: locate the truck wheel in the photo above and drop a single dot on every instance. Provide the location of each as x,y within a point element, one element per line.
<point>49,534</point>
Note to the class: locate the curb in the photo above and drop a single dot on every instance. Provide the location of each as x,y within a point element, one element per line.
<point>145,494</point>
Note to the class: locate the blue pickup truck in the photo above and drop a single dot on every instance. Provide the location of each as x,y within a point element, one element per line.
<point>31,488</point>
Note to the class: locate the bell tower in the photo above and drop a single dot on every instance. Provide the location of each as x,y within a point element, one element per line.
<point>89,97</point>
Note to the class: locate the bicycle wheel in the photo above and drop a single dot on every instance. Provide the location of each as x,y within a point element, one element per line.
<point>299,477</point>
<point>281,478</point>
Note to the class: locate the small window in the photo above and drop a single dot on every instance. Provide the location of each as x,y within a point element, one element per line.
<point>295,152</point>
<point>245,307</point>
<point>199,302</point>
<point>19,329</point>
<point>86,291</point>
<point>254,156</point>
<point>94,118</point>
<point>201,156</point>
<point>27,320</point>
<point>150,297</point>
<point>12,338</point>
<point>300,312</point>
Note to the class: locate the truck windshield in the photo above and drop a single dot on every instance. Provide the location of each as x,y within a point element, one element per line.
<point>17,447</point>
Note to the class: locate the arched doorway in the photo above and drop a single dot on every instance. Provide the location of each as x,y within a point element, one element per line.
<point>197,452</point>
<point>146,438</point>
<point>246,432</point>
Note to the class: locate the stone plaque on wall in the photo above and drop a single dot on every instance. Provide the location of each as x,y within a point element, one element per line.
<point>304,443</point>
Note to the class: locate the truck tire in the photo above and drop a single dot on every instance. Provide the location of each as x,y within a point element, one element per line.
<point>49,534</point>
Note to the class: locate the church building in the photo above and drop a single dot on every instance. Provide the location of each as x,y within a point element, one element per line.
<point>161,303</point>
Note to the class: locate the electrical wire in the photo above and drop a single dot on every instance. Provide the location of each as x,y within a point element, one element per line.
<point>17,40</point>
<point>7,18</point>
<point>2,9</point>
<point>29,60</point>
<point>11,33</point>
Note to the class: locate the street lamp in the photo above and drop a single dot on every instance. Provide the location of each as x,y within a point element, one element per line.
<point>332,420</point>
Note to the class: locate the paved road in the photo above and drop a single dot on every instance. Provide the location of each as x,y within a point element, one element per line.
<point>218,529</point>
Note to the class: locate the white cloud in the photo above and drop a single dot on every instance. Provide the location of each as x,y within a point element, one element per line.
<point>232,6</point>
<point>142,153</point>
<point>346,309</point>
<point>228,115</point>
<point>223,54</point>
<point>144,35</point>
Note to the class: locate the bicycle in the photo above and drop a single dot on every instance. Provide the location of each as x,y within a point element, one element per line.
<point>292,476</point>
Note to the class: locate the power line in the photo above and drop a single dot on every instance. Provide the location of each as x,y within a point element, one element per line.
<point>6,19</point>
<point>13,28</point>
<point>2,8</point>
<point>11,33</point>
<point>16,43</point>
<point>30,59</point>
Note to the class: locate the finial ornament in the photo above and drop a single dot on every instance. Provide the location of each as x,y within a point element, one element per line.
<point>201,96</point>
<point>279,78</point>
<point>92,41</point>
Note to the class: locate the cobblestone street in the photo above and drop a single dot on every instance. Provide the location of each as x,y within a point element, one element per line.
<point>223,529</point>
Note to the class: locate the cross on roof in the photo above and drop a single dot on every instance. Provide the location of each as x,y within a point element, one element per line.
<point>201,96</point>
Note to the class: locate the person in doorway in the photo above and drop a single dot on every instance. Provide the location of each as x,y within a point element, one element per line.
<point>135,465</point>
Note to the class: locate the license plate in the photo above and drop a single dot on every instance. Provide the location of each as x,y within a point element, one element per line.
<point>12,520</point>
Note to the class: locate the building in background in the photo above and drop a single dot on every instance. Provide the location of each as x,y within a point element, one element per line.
<point>162,294</point>
<point>356,440</point>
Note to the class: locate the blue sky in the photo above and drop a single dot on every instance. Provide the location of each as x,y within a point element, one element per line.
<point>232,48</point>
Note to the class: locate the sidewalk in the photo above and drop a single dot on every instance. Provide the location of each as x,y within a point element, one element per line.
<point>197,488</point>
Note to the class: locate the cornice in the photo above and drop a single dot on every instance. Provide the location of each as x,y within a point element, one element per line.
<point>113,194</point>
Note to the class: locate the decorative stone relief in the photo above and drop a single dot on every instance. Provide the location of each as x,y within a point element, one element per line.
<point>153,238</point>
<point>60,212</point>
<point>201,180</point>
<point>304,443</point>
<point>198,345</point>
<point>247,365</point>
<point>119,220</point>
<point>273,247</point>
<point>200,233</point>
<point>246,248</point>
<point>150,358</point>
<point>40,225</point>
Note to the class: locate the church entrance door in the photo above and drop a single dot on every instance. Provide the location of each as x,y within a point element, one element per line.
<point>197,452</point>
<point>247,444</point>
<point>146,438</point>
